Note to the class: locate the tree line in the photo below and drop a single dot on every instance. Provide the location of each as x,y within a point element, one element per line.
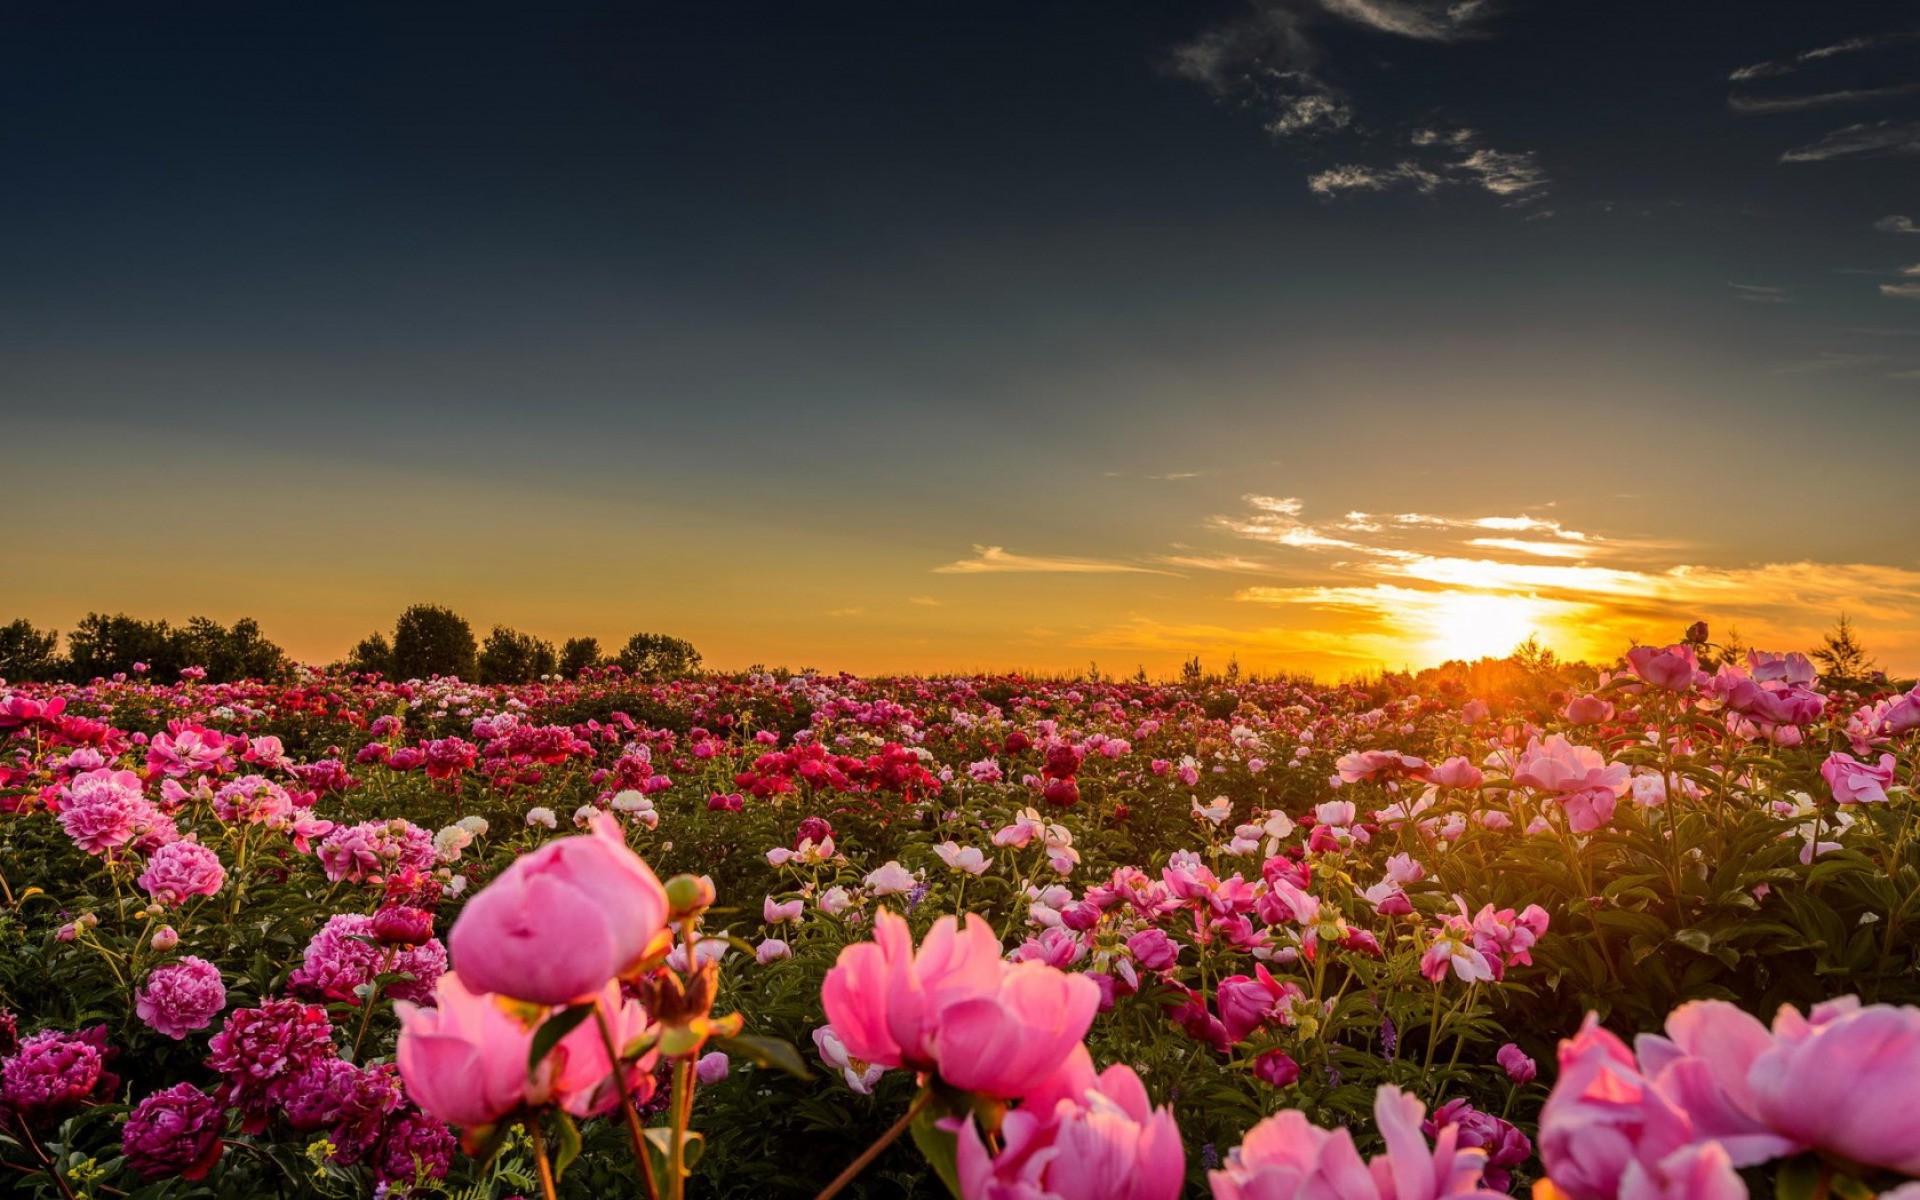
<point>427,639</point>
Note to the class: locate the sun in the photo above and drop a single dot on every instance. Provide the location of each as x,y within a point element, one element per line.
<point>1469,625</point>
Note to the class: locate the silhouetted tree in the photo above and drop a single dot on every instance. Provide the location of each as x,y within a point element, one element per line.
<point>431,640</point>
<point>579,654</point>
<point>655,656</point>
<point>28,655</point>
<point>100,646</point>
<point>509,656</point>
<point>372,656</point>
<point>228,654</point>
<point>1841,654</point>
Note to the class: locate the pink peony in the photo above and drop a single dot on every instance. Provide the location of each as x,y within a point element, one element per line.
<point>1604,1116</point>
<point>1580,776</point>
<point>346,955</point>
<point>1287,1157</point>
<point>53,1071</point>
<point>357,853</point>
<point>178,871</point>
<point>1094,1138</point>
<point>181,997</point>
<point>560,922</point>
<point>1854,782</point>
<point>955,1007</point>
<point>263,1051</point>
<point>1673,668</point>
<point>1844,1079</point>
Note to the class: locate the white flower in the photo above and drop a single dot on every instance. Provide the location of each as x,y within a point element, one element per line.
<point>631,801</point>
<point>771,950</point>
<point>891,879</point>
<point>835,901</point>
<point>542,816</point>
<point>860,1075</point>
<point>477,826</point>
<point>1215,813</point>
<point>584,815</point>
<point>963,858</point>
<point>449,842</point>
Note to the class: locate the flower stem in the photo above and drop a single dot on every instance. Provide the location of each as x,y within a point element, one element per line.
<point>880,1143</point>
<point>634,1131</point>
<point>540,1158</point>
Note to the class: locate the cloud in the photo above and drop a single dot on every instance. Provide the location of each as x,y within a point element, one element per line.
<point>1437,21</point>
<point>989,560</point>
<point>1901,291</point>
<point>926,601</point>
<point>1231,563</point>
<point>1896,224</point>
<point>1878,139</point>
<point>1540,549</point>
<point>847,612</point>
<point>1854,45</point>
<point>1760,105</point>
<point>1269,61</point>
<point>1501,172</point>
<point>1759,293</point>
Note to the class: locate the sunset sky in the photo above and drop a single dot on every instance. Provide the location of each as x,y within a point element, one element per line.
<point>1328,333</point>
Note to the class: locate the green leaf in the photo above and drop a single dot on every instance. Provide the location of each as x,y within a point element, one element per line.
<point>774,1053</point>
<point>568,1148</point>
<point>549,1034</point>
<point>940,1148</point>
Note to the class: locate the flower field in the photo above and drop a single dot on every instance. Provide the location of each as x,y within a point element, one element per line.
<point>750,936</point>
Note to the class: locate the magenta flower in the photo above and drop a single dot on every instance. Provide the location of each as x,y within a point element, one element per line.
<point>181,997</point>
<point>174,1132</point>
<point>263,1051</point>
<point>53,1071</point>
<point>1672,668</point>
<point>356,853</point>
<point>178,871</point>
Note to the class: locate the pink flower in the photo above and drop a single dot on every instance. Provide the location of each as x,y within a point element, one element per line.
<point>1588,710</point>
<point>1246,1003</point>
<point>178,871</point>
<point>1854,782</point>
<point>1521,1069</point>
<point>465,1059</point>
<point>562,921</point>
<point>955,1007</point>
<point>1844,1079</point>
<point>1672,668</point>
<point>1604,1116</point>
<point>1586,784</point>
<point>1287,1157</point>
<point>1702,1171</point>
<point>1702,1064</point>
<point>1100,1139</point>
<point>174,1132</point>
<point>345,955</point>
<point>357,853</point>
<point>1153,949</point>
<point>1456,772</point>
<point>1378,765</point>
<point>181,997</point>
<point>252,800</point>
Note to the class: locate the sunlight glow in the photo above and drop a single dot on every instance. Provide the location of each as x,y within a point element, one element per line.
<point>1469,626</point>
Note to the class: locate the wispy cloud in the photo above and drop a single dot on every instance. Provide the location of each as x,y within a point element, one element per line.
<point>1878,139</point>
<point>1760,105</point>
<point>1901,291</point>
<point>1787,66</point>
<point>1269,61</point>
<point>988,560</point>
<point>1760,293</point>
<point>926,601</point>
<point>1896,224</point>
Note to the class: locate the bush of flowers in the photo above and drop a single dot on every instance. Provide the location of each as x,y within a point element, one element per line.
<point>1656,936</point>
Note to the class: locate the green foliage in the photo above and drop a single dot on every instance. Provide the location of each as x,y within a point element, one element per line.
<point>28,655</point>
<point>655,657</point>
<point>509,656</point>
<point>429,640</point>
<point>579,654</point>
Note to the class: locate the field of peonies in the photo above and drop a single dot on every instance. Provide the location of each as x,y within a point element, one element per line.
<point>1657,936</point>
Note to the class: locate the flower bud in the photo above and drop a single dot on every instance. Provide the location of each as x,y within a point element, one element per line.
<point>402,925</point>
<point>689,896</point>
<point>165,939</point>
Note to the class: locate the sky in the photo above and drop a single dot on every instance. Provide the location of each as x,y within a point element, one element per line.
<point>1324,334</point>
